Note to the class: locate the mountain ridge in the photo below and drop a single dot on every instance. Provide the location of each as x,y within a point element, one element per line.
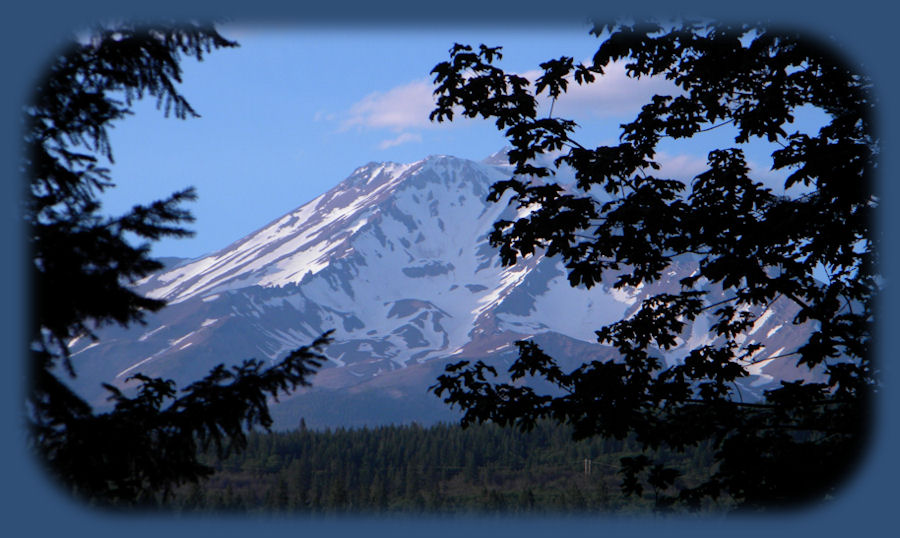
<point>396,260</point>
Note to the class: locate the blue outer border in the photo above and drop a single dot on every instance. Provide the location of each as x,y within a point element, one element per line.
<point>34,507</point>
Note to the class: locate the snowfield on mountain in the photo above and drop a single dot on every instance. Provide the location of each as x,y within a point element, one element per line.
<point>396,260</point>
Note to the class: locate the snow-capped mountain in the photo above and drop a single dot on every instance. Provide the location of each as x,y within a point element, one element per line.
<point>396,260</point>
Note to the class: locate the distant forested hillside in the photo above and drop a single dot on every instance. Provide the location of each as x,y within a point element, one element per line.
<point>440,469</point>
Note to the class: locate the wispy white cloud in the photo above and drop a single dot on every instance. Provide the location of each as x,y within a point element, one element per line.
<point>685,167</point>
<point>321,115</point>
<point>401,107</point>
<point>682,166</point>
<point>408,106</point>
<point>774,179</point>
<point>612,94</point>
<point>402,139</point>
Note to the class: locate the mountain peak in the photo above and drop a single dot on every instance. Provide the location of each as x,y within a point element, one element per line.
<point>314,235</point>
<point>395,259</point>
<point>373,173</point>
<point>498,158</point>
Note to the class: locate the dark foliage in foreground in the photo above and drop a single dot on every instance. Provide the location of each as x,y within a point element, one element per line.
<point>83,264</point>
<point>753,244</point>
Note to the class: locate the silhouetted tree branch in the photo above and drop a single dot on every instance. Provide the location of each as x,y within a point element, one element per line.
<point>751,247</point>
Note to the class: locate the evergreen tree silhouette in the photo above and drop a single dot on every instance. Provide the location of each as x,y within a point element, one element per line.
<point>83,262</point>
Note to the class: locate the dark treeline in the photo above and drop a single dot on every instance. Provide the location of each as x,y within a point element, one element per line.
<point>439,469</point>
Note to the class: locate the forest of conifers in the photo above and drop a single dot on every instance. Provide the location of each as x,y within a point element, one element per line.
<point>438,469</point>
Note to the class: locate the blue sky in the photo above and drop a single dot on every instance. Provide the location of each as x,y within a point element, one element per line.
<point>294,110</point>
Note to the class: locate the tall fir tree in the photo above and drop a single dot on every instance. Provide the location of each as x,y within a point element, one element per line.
<point>82,265</point>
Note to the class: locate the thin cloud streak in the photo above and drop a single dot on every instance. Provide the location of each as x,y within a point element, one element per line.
<point>612,94</point>
<point>404,138</point>
<point>409,105</point>
<point>401,107</point>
